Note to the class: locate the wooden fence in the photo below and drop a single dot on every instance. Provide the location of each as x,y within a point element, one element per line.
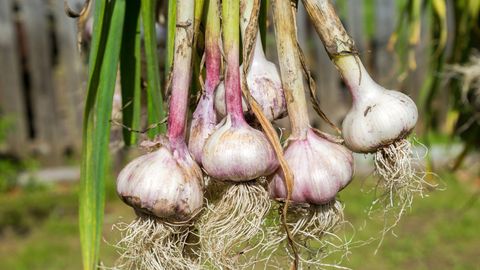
<point>42,80</point>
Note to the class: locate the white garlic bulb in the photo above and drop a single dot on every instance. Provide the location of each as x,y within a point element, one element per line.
<point>265,87</point>
<point>163,183</point>
<point>321,168</point>
<point>238,153</point>
<point>378,117</point>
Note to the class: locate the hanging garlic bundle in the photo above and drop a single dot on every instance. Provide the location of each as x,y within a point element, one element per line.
<point>238,154</point>
<point>379,120</point>
<point>321,166</point>
<point>164,186</point>
<point>263,79</point>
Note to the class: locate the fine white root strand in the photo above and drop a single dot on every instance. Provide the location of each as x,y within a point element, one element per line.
<point>149,243</point>
<point>316,235</point>
<point>233,226</point>
<point>402,178</point>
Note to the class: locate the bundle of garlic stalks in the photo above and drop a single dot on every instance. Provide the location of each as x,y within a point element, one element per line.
<point>206,204</point>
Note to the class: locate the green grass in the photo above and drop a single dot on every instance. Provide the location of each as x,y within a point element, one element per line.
<point>439,232</point>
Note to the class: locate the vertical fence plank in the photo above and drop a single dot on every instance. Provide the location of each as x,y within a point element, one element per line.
<point>12,100</point>
<point>40,69</point>
<point>355,24</point>
<point>67,78</point>
<point>417,77</point>
<point>385,25</point>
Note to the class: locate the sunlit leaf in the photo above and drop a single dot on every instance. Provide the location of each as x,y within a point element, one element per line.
<point>105,50</point>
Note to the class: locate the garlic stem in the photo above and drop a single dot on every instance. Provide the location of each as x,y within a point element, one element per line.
<point>233,92</point>
<point>290,68</point>
<point>354,75</point>
<point>329,27</point>
<point>181,73</point>
<point>212,48</point>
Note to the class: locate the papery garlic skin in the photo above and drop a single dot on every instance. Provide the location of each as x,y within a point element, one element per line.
<point>238,153</point>
<point>163,183</point>
<point>265,86</point>
<point>320,166</point>
<point>220,103</point>
<point>203,124</point>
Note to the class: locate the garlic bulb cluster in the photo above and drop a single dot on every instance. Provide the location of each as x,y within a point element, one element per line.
<point>238,152</point>
<point>165,183</point>
<point>378,117</point>
<point>321,168</point>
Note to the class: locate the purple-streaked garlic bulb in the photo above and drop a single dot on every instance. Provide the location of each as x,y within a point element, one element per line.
<point>165,186</point>
<point>321,168</point>
<point>165,183</point>
<point>238,152</point>
<point>235,151</point>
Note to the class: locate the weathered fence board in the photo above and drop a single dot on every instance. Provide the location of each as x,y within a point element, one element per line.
<point>39,55</point>
<point>12,105</point>
<point>384,69</point>
<point>67,78</point>
<point>40,79</point>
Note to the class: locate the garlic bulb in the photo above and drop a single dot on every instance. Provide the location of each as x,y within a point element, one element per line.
<point>378,117</point>
<point>264,83</point>
<point>163,183</point>
<point>321,168</point>
<point>237,152</point>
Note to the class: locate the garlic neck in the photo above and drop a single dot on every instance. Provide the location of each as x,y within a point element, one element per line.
<point>231,47</point>
<point>246,12</point>
<point>356,77</point>
<point>258,54</point>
